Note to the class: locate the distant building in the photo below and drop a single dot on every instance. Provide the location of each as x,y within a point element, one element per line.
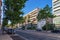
<point>56,11</point>
<point>31,17</point>
<point>0,12</point>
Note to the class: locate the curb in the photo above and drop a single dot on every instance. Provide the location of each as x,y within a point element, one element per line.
<point>21,36</point>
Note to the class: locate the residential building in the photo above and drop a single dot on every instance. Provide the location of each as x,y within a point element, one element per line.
<point>56,11</point>
<point>31,17</point>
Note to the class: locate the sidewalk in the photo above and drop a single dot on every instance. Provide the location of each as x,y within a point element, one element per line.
<point>4,36</point>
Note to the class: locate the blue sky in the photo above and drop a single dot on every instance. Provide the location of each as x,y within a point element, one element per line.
<point>32,4</point>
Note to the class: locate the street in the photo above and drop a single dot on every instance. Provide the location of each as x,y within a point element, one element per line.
<point>32,35</point>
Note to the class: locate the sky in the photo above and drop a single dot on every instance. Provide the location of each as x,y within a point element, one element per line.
<point>32,4</point>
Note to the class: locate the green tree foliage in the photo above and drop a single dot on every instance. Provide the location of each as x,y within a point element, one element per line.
<point>49,27</point>
<point>5,22</point>
<point>45,13</point>
<point>13,10</point>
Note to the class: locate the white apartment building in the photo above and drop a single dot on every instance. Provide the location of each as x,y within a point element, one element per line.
<point>56,11</point>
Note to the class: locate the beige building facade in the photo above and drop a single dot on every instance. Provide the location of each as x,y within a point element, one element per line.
<point>31,17</point>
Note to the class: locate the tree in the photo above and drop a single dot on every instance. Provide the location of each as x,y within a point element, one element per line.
<point>4,23</point>
<point>45,13</point>
<point>22,21</point>
<point>13,10</point>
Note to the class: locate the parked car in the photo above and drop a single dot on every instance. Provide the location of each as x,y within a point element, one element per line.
<point>38,30</point>
<point>55,31</point>
<point>10,31</point>
<point>18,28</point>
<point>5,29</point>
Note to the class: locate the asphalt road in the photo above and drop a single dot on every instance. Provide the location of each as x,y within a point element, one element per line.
<point>35,36</point>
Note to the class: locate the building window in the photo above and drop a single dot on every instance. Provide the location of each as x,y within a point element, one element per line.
<point>34,19</point>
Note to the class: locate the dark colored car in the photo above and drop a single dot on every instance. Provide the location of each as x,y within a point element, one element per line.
<point>55,31</point>
<point>4,28</point>
<point>10,31</point>
<point>38,30</point>
<point>18,29</point>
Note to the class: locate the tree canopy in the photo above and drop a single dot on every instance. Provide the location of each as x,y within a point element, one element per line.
<point>13,10</point>
<point>44,13</point>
